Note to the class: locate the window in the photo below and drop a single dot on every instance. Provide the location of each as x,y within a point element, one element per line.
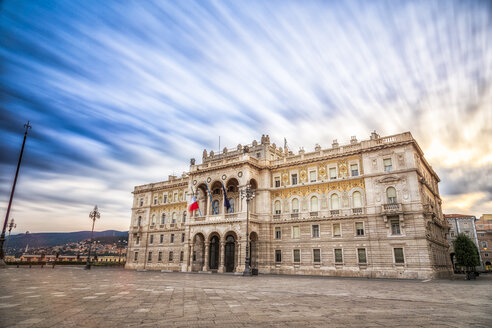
<point>314,204</point>
<point>164,199</point>
<point>354,168</point>
<point>277,182</point>
<point>452,234</point>
<point>484,244</point>
<point>161,240</point>
<point>184,216</point>
<point>137,241</point>
<point>135,257</point>
<point>312,176</point>
<point>356,199</point>
<point>258,155</point>
<point>153,219</point>
<point>216,191</point>
<point>297,255</point>
<point>316,255</point>
<point>399,255</point>
<point>338,256</point>
<point>361,254</point>
<point>170,256</point>
<point>149,258</point>
<point>335,202</point>
<point>181,256</point>
<point>295,232</point>
<point>151,239</point>
<point>182,237</point>
<point>295,205</point>
<point>278,233</point>
<point>163,218</point>
<point>315,229</point>
<point>175,198</point>
<point>141,201</point>
<point>333,173</point>
<point>294,179</point>
<point>359,228</point>
<point>336,230</point>
<point>216,207</point>
<point>278,255</point>
<point>277,207</point>
<point>139,222</point>
<point>194,256</point>
<point>391,195</point>
<point>172,239</point>
<point>388,167</point>
<point>395,226</point>
<point>155,200</point>
<point>173,220</point>
<point>159,258</point>
<point>231,202</point>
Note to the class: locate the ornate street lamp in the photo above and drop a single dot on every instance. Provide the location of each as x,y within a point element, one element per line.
<point>249,194</point>
<point>94,215</point>
<point>11,225</point>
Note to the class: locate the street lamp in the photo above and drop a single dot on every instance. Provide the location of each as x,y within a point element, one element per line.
<point>94,215</point>
<point>11,225</point>
<point>249,194</point>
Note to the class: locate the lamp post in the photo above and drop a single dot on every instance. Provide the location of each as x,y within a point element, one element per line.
<point>94,215</point>
<point>2,236</point>
<point>11,225</point>
<point>249,194</point>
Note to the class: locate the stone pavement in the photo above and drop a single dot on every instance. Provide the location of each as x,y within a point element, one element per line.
<point>107,297</point>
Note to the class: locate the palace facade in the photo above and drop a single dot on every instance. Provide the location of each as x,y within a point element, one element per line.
<point>368,209</point>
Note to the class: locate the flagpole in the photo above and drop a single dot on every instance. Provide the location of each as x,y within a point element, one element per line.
<point>193,193</point>
<point>211,200</point>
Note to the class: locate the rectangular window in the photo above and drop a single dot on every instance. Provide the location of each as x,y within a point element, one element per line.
<point>316,255</point>
<point>159,257</point>
<point>399,255</point>
<point>359,228</point>
<point>316,231</point>
<point>278,233</point>
<point>297,255</point>
<point>395,226</point>
<point>172,239</point>
<point>277,182</point>
<point>155,200</point>
<point>338,256</point>
<point>181,256</point>
<point>312,176</point>
<point>278,255</point>
<point>295,232</point>
<point>388,167</point>
<point>149,258</point>
<point>194,256</point>
<point>137,241</point>
<point>135,257</point>
<point>161,239</point>
<point>354,168</point>
<point>361,254</point>
<point>141,202</point>
<point>151,239</point>
<point>294,179</point>
<point>164,199</point>
<point>182,237</point>
<point>337,232</point>
<point>170,256</point>
<point>333,173</point>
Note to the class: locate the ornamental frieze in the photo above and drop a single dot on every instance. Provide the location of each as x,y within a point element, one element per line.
<point>341,186</point>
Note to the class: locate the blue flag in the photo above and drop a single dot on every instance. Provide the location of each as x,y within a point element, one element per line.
<point>226,201</point>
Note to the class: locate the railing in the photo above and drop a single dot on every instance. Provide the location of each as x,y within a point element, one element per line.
<point>335,212</point>
<point>392,207</point>
<point>276,216</point>
<point>294,215</point>
<point>357,210</point>
<point>162,226</point>
<point>313,213</point>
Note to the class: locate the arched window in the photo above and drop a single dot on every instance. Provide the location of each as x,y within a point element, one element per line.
<point>295,205</point>
<point>184,216</point>
<point>139,221</point>
<point>356,199</point>
<point>231,202</point>
<point>277,207</point>
<point>174,218</point>
<point>391,194</point>
<point>163,218</point>
<point>335,202</point>
<point>216,206</point>
<point>153,219</point>
<point>314,204</point>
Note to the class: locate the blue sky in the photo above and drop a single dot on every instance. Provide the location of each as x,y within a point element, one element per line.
<point>122,93</point>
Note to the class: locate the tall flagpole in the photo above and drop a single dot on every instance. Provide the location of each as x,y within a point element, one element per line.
<point>2,236</point>
<point>211,200</point>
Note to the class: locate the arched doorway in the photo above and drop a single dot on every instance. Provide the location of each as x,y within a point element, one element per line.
<point>213,259</point>
<point>198,255</point>
<point>230,247</point>
<point>253,247</point>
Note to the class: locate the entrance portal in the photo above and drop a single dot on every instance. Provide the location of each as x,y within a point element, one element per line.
<point>214,253</point>
<point>229,253</point>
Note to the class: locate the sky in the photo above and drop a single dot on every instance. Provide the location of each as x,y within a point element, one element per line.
<point>124,93</point>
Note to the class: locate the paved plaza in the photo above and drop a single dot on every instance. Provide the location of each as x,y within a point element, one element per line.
<point>107,297</point>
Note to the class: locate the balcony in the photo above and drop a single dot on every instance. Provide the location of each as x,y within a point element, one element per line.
<point>294,215</point>
<point>334,212</point>
<point>358,210</point>
<point>392,208</point>
<point>276,216</point>
<point>315,214</point>
<point>199,218</point>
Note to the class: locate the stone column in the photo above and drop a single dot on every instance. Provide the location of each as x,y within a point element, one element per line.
<point>221,257</point>
<point>205,262</point>
<point>208,206</point>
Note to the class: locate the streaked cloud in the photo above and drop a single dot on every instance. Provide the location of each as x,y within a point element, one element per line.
<point>121,94</point>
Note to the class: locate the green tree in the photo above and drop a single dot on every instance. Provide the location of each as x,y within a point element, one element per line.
<point>466,254</point>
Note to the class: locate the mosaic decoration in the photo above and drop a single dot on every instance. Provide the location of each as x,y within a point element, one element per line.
<point>342,186</point>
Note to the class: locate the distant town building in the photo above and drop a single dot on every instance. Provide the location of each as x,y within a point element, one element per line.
<point>484,233</point>
<point>461,223</point>
<point>370,208</point>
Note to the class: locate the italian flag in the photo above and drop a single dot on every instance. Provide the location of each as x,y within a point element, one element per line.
<point>194,204</point>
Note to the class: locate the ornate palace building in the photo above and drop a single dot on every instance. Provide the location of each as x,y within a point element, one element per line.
<point>368,209</point>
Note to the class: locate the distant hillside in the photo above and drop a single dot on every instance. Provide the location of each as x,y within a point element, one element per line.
<point>50,239</point>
